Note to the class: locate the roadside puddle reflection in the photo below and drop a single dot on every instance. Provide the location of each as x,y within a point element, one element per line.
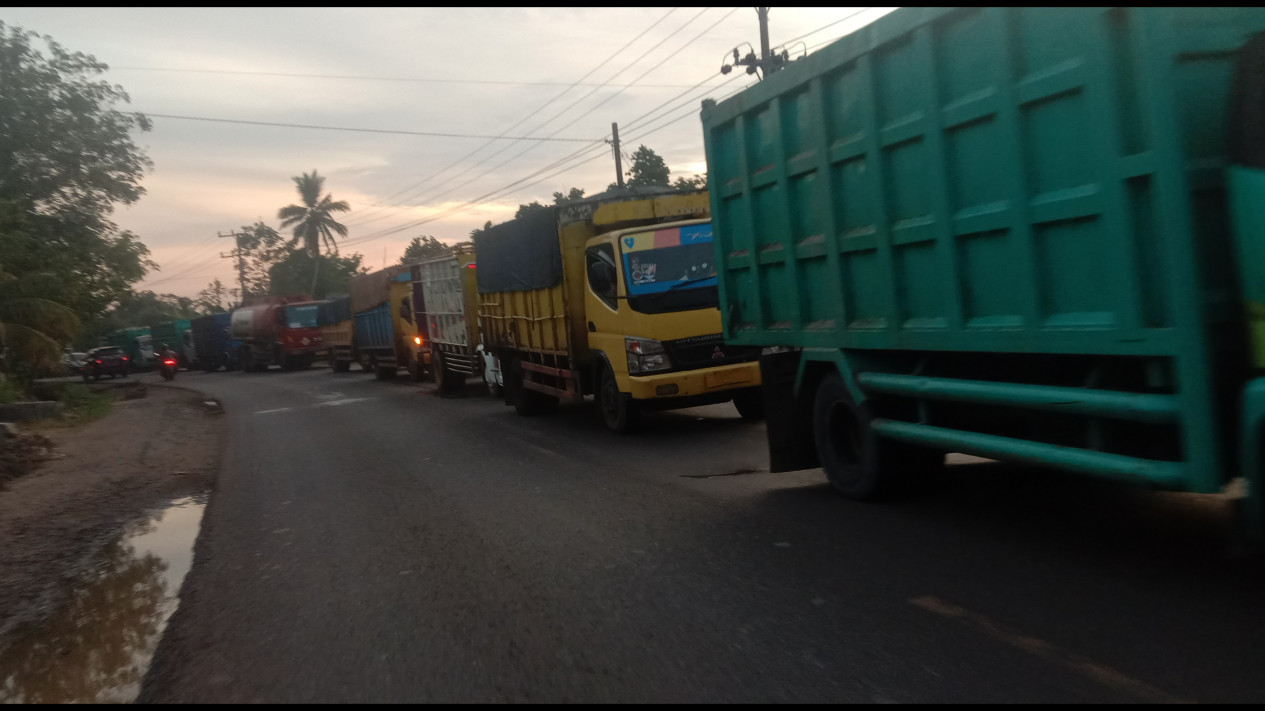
<point>97,647</point>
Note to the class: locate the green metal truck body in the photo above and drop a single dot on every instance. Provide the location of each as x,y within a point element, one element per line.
<point>136,343</point>
<point>178,335</point>
<point>1005,232</point>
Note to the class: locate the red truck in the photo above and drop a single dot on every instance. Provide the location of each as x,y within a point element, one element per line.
<point>280,330</point>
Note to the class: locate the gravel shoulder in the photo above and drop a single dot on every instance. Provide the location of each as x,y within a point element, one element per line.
<point>103,475</point>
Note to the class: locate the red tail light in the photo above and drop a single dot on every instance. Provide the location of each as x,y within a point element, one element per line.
<point>97,361</point>
<point>167,362</point>
<point>470,265</point>
<point>124,357</point>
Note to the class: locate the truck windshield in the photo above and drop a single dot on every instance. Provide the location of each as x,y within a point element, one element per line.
<point>301,316</point>
<point>671,269</point>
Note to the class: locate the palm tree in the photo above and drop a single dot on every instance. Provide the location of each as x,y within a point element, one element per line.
<point>312,222</point>
<point>32,328</point>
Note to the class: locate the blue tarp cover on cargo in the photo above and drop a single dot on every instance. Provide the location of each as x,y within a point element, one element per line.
<point>520,255</point>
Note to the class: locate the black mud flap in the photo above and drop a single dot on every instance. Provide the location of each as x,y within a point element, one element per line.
<point>788,419</point>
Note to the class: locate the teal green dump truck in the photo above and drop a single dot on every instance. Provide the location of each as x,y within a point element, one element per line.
<point>1027,234</point>
<point>137,344</point>
<point>178,335</point>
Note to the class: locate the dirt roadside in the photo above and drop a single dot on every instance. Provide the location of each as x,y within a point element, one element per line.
<point>104,474</point>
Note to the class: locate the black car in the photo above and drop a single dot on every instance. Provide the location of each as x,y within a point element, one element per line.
<point>106,360</point>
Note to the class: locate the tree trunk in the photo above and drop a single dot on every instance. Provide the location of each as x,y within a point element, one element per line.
<point>315,270</point>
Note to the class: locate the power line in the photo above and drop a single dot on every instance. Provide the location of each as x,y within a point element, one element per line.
<point>518,123</point>
<point>575,154</point>
<point>518,184</point>
<point>550,119</point>
<point>349,77</point>
<point>595,107</point>
<point>849,16</point>
<point>365,130</point>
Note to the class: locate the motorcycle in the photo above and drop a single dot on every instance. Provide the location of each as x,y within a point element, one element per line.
<point>167,368</point>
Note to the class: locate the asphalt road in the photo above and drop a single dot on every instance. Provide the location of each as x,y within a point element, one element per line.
<point>369,541</point>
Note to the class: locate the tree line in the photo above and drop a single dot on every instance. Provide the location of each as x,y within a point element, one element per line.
<point>68,159</point>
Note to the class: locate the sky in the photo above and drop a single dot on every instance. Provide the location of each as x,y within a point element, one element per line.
<point>473,74</point>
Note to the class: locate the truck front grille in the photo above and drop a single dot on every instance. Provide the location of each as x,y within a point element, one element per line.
<point>707,351</point>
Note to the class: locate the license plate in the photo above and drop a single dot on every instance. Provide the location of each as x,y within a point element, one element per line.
<point>725,377</point>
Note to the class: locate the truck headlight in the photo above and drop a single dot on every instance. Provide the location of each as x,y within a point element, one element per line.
<point>646,355</point>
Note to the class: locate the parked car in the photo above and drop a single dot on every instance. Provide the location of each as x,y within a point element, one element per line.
<point>106,360</point>
<point>73,361</point>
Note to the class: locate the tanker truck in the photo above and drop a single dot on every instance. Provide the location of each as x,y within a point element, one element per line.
<point>277,330</point>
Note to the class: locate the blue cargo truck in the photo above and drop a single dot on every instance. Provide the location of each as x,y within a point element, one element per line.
<point>211,342</point>
<point>386,334</point>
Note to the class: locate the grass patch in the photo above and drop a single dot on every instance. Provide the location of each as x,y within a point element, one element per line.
<point>81,405</point>
<point>9,392</point>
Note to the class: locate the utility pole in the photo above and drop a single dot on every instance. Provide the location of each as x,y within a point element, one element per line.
<point>619,163</point>
<point>768,62</point>
<point>238,254</point>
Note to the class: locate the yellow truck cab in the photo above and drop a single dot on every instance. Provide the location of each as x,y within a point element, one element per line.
<point>631,317</point>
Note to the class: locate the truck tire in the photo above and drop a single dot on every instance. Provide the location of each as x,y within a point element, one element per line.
<point>450,384</point>
<point>528,403</point>
<point>416,370</point>
<point>381,372</point>
<point>619,411</point>
<point>858,463</point>
<point>750,404</point>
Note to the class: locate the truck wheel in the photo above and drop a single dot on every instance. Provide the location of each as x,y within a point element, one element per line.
<point>450,383</point>
<point>381,372</point>
<point>750,404</point>
<point>416,371</point>
<point>619,412</point>
<point>860,464</point>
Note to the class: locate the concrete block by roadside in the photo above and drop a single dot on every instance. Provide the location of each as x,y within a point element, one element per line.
<point>24,411</point>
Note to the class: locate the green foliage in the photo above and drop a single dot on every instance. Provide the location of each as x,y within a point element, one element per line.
<point>559,198</point>
<point>81,404</point>
<point>486,226</point>
<point>647,169</point>
<point>32,328</point>
<point>293,274</point>
<point>689,185</point>
<point>213,299</point>
<point>262,247</point>
<point>63,147</point>
<point>9,392</point>
<point>571,196</point>
<point>313,225</point>
<point>527,209</point>
<point>66,160</point>
<point>422,248</point>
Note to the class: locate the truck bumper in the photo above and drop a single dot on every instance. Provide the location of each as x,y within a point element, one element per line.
<point>689,383</point>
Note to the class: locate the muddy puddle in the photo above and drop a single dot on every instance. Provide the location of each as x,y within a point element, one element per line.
<point>97,647</point>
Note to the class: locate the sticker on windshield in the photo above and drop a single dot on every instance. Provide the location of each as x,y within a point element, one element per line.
<point>643,273</point>
<point>674,258</point>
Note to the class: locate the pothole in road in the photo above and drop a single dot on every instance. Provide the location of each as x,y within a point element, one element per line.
<point>736,472</point>
<point>98,646</point>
